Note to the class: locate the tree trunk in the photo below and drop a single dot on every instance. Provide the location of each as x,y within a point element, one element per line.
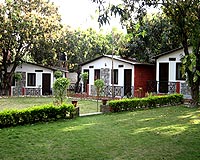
<point>6,77</point>
<point>77,89</point>
<point>5,85</point>
<point>195,94</point>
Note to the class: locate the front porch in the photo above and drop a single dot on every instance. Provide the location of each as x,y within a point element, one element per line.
<point>167,87</point>
<point>18,91</point>
<point>119,91</point>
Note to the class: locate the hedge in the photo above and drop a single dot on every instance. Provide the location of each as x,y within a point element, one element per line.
<point>147,102</point>
<point>44,113</point>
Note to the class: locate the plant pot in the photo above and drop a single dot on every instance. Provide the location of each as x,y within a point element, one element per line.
<point>104,101</point>
<point>74,102</point>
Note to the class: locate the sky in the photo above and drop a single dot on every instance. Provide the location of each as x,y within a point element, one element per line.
<point>81,14</point>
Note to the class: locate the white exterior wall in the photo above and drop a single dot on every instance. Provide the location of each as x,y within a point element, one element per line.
<point>29,68</point>
<point>172,64</point>
<point>106,62</point>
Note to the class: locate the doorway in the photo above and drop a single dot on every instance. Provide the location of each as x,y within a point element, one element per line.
<point>46,84</point>
<point>163,77</point>
<point>127,82</point>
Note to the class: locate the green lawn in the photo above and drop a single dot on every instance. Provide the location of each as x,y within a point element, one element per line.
<point>170,133</point>
<point>86,106</point>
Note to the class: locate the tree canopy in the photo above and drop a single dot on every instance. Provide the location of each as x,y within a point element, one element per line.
<point>24,24</point>
<point>184,15</point>
<point>85,45</point>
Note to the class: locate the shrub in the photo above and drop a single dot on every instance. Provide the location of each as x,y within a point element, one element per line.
<point>59,88</point>
<point>147,102</point>
<point>58,74</point>
<point>99,84</point>
<point>17,76</point>
<point>84,77</point>
<point>35,114</point>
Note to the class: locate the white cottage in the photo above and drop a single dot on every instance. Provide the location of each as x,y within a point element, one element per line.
<point>36,80</point>
<point>128,75</point>
<point>168,73</point>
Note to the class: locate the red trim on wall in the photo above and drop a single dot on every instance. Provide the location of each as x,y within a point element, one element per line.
<point>178,90</point>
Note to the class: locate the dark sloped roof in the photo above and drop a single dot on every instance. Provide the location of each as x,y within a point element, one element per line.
<point>47,67</point>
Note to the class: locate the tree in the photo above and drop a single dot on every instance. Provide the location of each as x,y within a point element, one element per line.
<point>50,49</point>
<point>60,88</point>
<point>23,24</point>
<point>99,84</point>
<point>84,77</point>
<point>85,45</point>
<point>58,74</point>
<point>185,16</point>
<point>153,35</point>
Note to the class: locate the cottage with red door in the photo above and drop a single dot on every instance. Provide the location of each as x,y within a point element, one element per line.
<point>124,77</point>
<point>168,73</point>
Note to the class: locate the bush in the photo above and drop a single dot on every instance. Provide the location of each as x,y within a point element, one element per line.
<point>17,76</point>
<point>35,114</point>
<point>147,102</point>
<point>60,88</point>
<point>58,74</point>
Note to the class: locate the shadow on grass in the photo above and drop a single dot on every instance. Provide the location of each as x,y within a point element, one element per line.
<point>163,133</point>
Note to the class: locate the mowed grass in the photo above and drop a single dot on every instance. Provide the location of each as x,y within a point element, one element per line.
<point>170,133</point>
<point>86,106</point>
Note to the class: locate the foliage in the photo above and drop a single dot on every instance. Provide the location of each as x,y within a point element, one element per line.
<point>24,24</point>
<point>85,105</point>
<point>151,36</point>
<point>60,88</point>
<point>35,114</point>
<point>148,102</point>
<point>184,16</point>
<point>99,84</point>
<point>84,45</point>
<point>84,76</point>
<point>58,74</point>
<point>170,133</point>
<point>17,76</point>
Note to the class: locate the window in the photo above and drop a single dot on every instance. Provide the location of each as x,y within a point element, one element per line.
<point>115,74</point>
<point>31,79</point>
<point>172,59</point>
<point>178,72</point>
<point>96,74</point>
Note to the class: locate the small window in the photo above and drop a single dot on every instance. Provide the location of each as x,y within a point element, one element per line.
<point>38,70</point>
<point>178,72</point>
<point>96,74</point>
<point>172,59</point>
<point>115,74</point>
<point>31,79</point>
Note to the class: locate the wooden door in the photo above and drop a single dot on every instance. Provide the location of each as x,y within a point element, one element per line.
<point>127,82</point>
<point>46,84</point>
<point>163,77</point>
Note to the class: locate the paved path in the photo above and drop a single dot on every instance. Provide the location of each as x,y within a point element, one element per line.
<point>90,114</point>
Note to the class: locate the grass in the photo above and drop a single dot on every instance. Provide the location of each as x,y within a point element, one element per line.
<point>86,106</point>
<point>170,133</point>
